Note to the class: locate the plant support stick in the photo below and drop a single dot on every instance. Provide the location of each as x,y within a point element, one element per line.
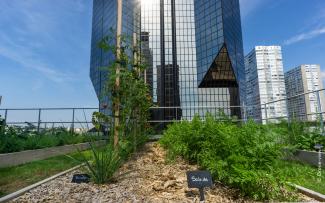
<point>117,80</point>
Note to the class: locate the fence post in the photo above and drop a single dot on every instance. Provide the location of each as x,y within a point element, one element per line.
<point>72,125</point>
<point>6,114</point>
<point>287,109</point>
<point>39,120</point>
<point>244,108</point>
<point>265,114</point>
<point>320,112</point>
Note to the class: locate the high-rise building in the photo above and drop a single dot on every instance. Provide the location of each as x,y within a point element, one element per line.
<point>147,60</point>
<point>300,80</point>
<point>104,24</point>
<point>198,41</point>
<point>265,84</point>
<point>170,87</point>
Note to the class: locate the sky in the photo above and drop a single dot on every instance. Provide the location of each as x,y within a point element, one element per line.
<point>296,25</point>
<point>45,53</point>
<point>45,45</point>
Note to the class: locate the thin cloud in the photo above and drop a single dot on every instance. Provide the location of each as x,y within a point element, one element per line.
<point>37,27</point>
<point>305,36</point>
<point>248,6</point>
<point>26,58</point>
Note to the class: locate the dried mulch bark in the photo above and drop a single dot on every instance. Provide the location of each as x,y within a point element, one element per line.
<point>146,177</point>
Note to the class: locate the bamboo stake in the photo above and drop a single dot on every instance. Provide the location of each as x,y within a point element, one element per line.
<point>117,80</point>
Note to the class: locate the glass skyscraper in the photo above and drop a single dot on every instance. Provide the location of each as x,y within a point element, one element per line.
<point>104,24</point>
<point>195,44</point>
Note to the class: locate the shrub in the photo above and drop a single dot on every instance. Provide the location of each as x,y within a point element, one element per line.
<point>298,135</point>
<point>9,141</point>
<point>241,156</point>
<point>14,139</point>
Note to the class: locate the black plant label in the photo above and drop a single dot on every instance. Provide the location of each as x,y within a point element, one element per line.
<point>80,178</point>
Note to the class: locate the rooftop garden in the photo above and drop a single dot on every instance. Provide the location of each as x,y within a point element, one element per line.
<point>249,160</point>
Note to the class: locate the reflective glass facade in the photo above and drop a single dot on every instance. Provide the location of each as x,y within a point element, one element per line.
<point>197,45</point>
<point>220,59</point>
<point>104,20</point>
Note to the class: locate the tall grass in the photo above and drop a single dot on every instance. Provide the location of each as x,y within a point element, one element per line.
<point>105,161</point>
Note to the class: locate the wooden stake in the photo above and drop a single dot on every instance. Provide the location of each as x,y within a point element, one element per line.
<point>117,80</point>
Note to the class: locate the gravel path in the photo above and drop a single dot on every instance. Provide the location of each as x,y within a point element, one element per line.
<point>145,178</point>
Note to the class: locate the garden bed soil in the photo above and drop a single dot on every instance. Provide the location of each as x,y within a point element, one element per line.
<point>145,178</point>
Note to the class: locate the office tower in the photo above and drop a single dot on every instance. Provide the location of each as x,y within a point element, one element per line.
<point>104,24</point>
<point>147,59</point>
<point>171,89</point>
<point>265,84</point>
<point>198,43</point>
<point>300,80</point>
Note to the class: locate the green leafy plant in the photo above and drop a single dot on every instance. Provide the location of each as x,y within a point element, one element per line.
<point>299,135</point>
<point>14,139</point>
<point>9,142</point>
<point>132,94</point>
<point>242,156</point>
<point>134,101</point>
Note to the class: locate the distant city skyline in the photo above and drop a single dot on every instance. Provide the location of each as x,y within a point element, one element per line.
<point>302,79</point>
<point>265,77</point>
<point>45,47</point>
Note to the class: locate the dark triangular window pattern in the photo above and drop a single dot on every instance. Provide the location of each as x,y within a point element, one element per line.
<point>220,73</point>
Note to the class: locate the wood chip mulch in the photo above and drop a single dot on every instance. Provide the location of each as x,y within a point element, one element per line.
<point>146,177</point>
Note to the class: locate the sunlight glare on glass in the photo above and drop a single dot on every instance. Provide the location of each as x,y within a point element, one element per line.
<point>146,2</point>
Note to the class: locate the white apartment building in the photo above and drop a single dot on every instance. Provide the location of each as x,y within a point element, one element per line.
<point>265,84</point>
<point>303,79</point>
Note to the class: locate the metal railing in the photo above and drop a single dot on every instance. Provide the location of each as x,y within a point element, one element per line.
<point>72,118</point>
<point>81,118</point>
<point>294,106</point>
